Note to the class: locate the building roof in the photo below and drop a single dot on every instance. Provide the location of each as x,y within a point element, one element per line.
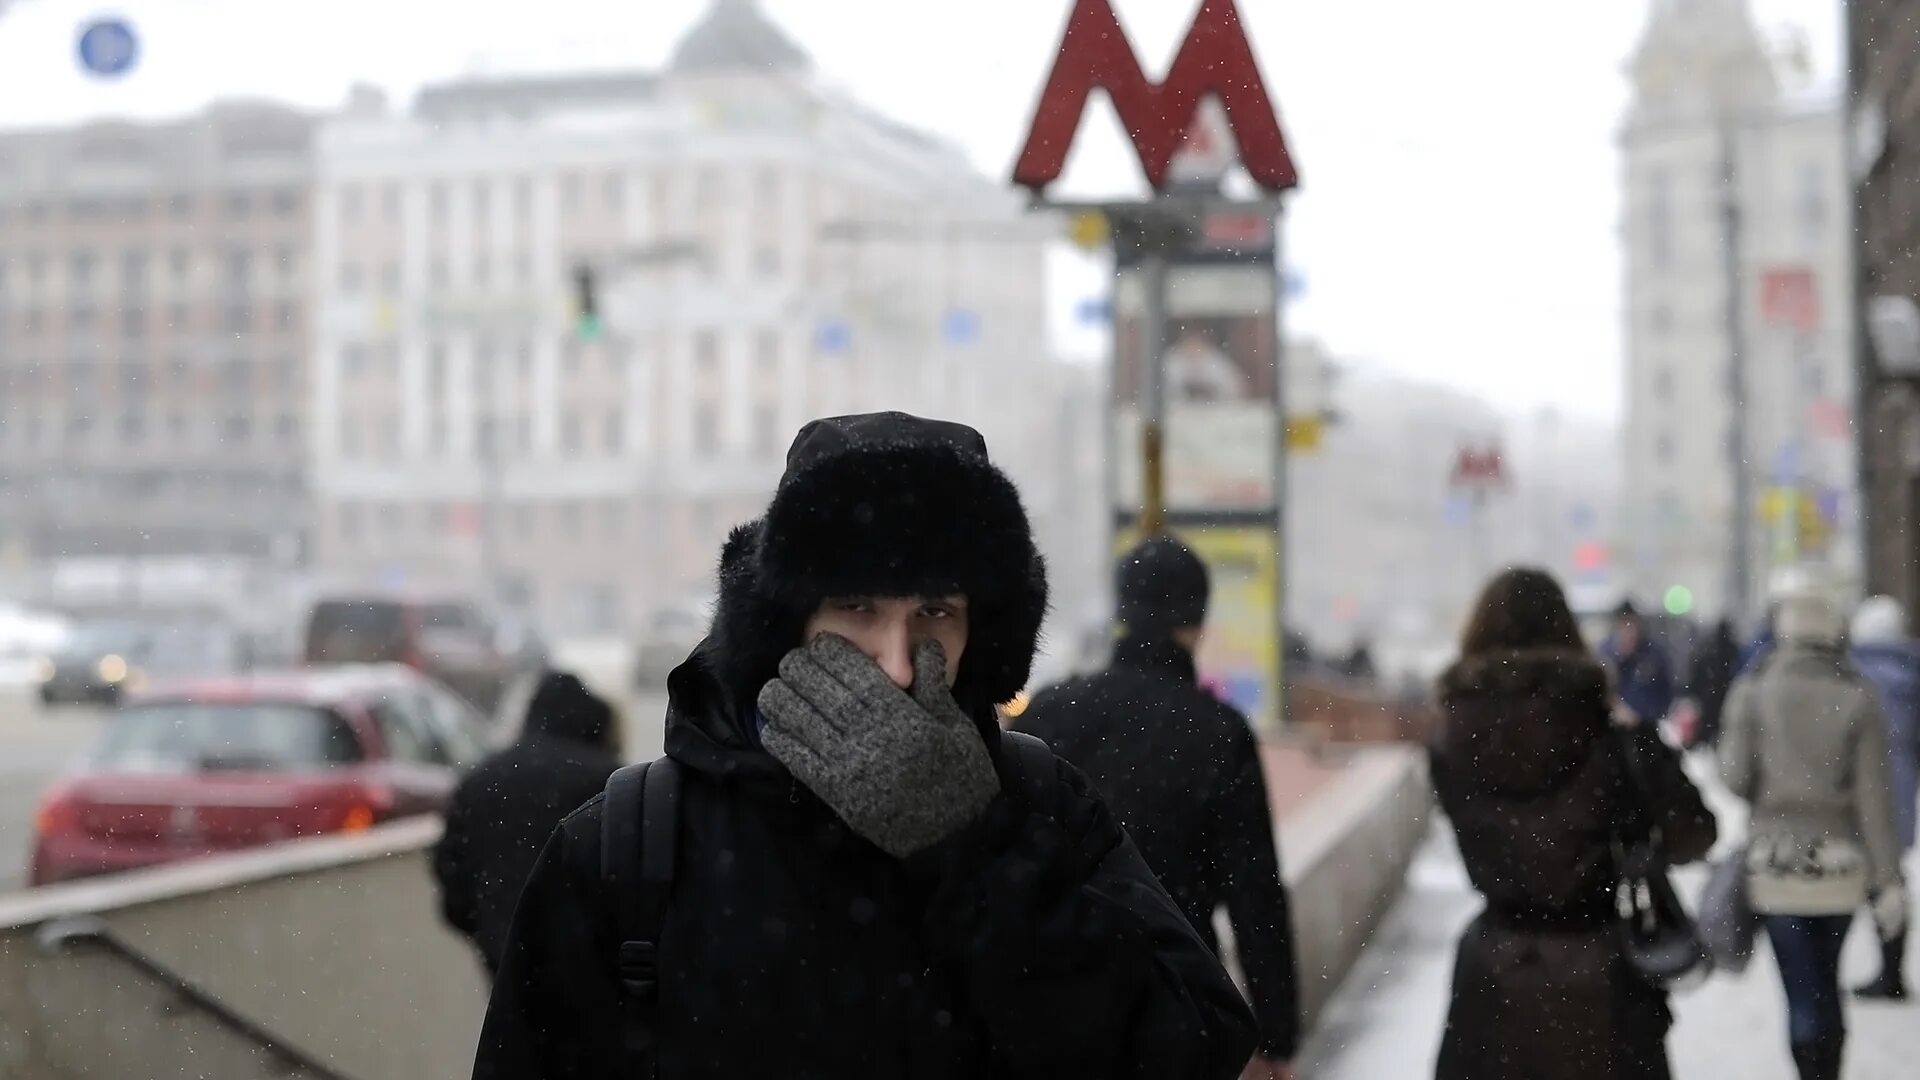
<point>735,35</point>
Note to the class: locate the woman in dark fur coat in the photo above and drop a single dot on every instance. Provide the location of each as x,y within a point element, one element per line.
<point>1532,775</point>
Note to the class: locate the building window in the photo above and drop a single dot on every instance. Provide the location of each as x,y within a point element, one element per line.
<point>570,432</point>
<point>180,206</point>
<point>181,263</point>
<point>437,201</point>
<point>133,272</point>
<point>390,204</point>
<point>353,359</point>
<point>177,430</point>
<point>610,520</point>
<point>706,353</point>
<point>615,191</point>
<point>285,202</point>
<point>283,315</point>
<point>238,204</point>
<point>1660,319</point>
<point>284,258</point>
<point>569,515</point>
<point>177,316</point>
<point>438,273</point>
<point>569,193</point>
<point>133,322</point>
<point>480,269</point>
<point>1660,218</point>
<point>349,277</point>
<point>766,357</point>
<point>239,378</point>
<point>523,199</point>
<point>350,521</point>
<point>482,202</point>
<point>1663,448</point>
<point>390,276</point>
<point>766,428</point>
<point>1663,383</point>
<point>133,428</point>
<point>437,373</point>
<point>239,270</point>
<point>393,520</point>
<point>706,430</point>
<point>766,261</point>
<point>616,432</point>
<point>350,205</point>
<point>80,318</point>
<point>239,429</point>
<point>239,318</point>
<point>80,270</point>
<point>286,428</point>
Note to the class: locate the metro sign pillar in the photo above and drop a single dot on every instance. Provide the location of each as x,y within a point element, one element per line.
<point>1215,63</point>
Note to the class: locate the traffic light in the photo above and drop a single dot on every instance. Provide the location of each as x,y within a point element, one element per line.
<point>586,303</point>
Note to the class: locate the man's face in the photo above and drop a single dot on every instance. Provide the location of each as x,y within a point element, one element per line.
<point>887,628</point>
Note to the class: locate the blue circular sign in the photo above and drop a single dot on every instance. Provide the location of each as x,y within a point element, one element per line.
<point>108,47</point>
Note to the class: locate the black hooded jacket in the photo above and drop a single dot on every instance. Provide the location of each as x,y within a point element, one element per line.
<point>1032,943</point>
<point>1534,781</point>
<point>1181,770</point>
<point>506,808</point>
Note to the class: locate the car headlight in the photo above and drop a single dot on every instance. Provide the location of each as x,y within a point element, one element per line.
<point>112,669</point>
<point>43,670</point>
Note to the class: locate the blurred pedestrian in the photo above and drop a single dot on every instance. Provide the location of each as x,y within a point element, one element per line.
<point>1531,765</point>
<point>505,809</point>
<point>868,877</point>
<point>1643,676</point>
<point>1181,770</point>
<point>1805,744</point>
<point>1885,652</point>
<point>1710,675</point>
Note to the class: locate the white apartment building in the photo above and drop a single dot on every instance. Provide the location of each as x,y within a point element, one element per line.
<point>767,251</point>
<point>1711,102</point>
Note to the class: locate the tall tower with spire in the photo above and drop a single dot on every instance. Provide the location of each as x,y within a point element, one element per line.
<point>1734,229</point>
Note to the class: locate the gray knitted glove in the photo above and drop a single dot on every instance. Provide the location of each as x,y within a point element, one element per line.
<point>903,769</point>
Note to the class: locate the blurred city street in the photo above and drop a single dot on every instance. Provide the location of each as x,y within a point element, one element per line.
<point>39,744</point>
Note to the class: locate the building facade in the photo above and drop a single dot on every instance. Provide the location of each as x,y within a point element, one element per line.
<point>1884,66</point>
<point>1738,328</point>
<point>765,251</point>
<point>153,340</point>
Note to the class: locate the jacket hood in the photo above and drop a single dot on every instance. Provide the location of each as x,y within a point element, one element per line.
<point>563,708</point>
<point>1521,722</point>
<point>884,504</point>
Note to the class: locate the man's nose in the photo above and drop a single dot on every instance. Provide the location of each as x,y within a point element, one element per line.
<point>893,651</point>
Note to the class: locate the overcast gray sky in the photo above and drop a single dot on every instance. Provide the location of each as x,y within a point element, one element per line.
<point>1457,212</point>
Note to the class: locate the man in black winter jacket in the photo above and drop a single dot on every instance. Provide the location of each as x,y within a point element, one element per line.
<point>867,883</point>
<point>505,809</point>
<point>1181,770</point>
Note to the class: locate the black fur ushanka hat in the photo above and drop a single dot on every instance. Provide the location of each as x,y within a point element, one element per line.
<point>884,504</point>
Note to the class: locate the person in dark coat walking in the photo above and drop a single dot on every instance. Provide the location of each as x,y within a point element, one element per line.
<point>870,881</point>
<point>1885,652</point>
<point>505,809</point>
<point>1532,772</point>
<point>1181,770</point>
<point>1709,676</point>
<point>1642,673</point>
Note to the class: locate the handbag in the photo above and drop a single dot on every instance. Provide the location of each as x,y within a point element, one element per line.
<point>1658,939</point>
<point>1728,923</point>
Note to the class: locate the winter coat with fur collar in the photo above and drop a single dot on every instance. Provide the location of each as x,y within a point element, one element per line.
<point>1532,779</point>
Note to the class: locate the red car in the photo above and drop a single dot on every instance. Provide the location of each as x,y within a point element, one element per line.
<point>225,764</point>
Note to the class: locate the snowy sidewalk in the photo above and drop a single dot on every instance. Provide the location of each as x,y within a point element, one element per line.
<point>1385,1022</point>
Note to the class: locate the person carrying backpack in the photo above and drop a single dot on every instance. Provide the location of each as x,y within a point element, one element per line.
<point>843,868</point>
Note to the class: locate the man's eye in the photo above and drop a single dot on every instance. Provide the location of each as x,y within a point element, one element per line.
<point>858,607</point>
<point>935,611</point>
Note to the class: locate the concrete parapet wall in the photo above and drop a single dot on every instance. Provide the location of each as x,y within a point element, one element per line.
<point>1344,855</point>
<point>334,945</point>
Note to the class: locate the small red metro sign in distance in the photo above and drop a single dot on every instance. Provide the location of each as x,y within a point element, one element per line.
<point>1216,59</point>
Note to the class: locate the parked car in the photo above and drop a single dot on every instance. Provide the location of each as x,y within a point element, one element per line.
<point>450,639</point>
<point>219,765</point>
<point>27,638</point>
<point>103,660</point>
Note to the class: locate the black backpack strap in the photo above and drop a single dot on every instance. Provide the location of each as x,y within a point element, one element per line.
<point>639,838</point>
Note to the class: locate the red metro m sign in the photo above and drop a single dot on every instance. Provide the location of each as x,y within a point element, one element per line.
<point>1216,59</point>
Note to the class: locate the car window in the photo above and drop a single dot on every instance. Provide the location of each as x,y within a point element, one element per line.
<point>456,724</point>
<point>356,631</point>
<point>408,735</point>
<point>203,737</point>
